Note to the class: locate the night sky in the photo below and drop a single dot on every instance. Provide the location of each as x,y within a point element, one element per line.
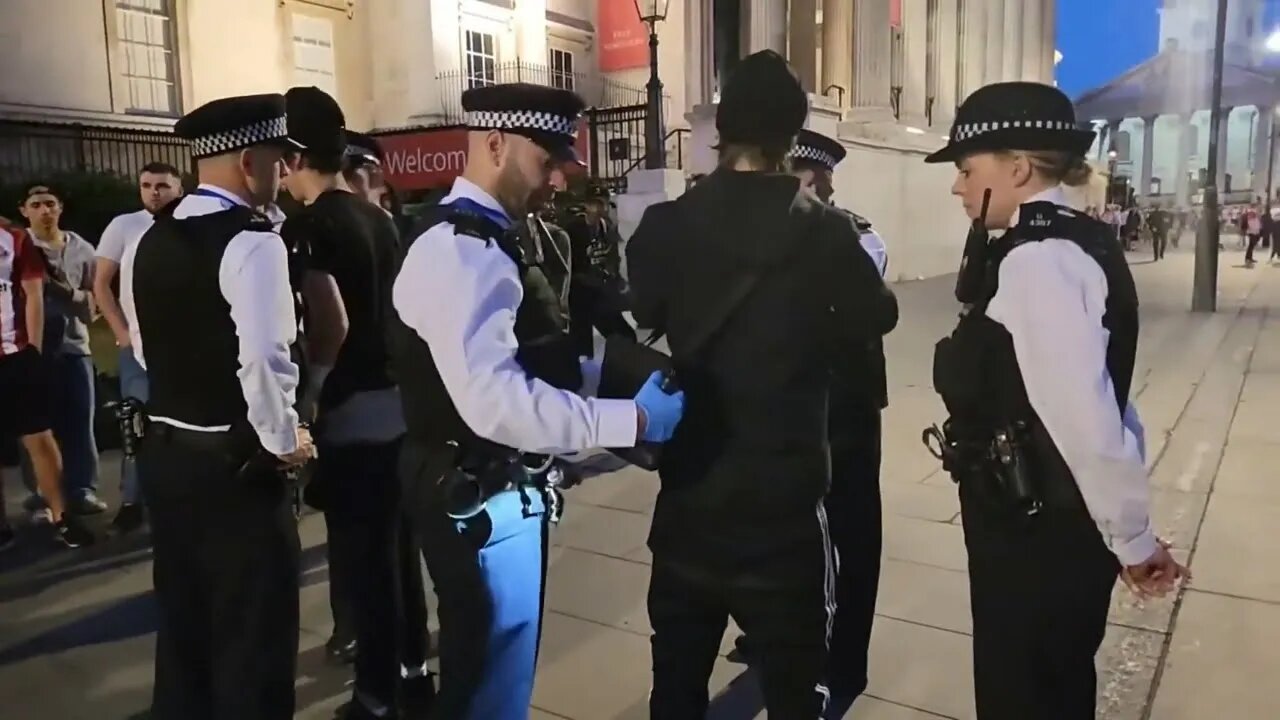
<point>1099,39</point>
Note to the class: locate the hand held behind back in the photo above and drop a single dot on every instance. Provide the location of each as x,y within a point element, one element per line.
<point>661,411</point>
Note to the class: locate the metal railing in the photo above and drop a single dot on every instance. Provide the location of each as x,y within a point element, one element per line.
<point>596,91</point>
<point>612,170</point>
<point>32,149</point>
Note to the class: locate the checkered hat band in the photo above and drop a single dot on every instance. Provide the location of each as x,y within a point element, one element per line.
<point>522,120</point>
<point>969,130</point>
<point>224,142</point>
<point>806,152</point>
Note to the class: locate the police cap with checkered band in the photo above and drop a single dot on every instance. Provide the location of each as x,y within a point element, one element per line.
<point>547,116</point>
<point>1014,116</point>
<point>235,123</point>
<point>817,148</point>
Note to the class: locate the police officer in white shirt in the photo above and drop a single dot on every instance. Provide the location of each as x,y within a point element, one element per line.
<point>1042,439</point>
<point>158,185</point>
<point>491,390</point>
<point>209,289</point>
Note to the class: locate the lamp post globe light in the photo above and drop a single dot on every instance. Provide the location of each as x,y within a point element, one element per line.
<point>651,13</point>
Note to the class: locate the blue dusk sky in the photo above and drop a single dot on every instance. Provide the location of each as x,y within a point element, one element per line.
<point>1099,39</point>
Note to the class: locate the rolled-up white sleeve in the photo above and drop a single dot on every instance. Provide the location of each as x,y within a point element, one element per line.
<point>254,277</point>
<point>460,295</point>
<point>874,245</point>
<point>1054,317</point>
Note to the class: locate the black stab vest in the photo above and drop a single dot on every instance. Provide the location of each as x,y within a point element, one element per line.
<point>545,350</point>
<point>976,369</point>
<point>190,344</point>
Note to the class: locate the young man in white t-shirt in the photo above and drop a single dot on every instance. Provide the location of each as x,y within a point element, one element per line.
<point>158,184</point>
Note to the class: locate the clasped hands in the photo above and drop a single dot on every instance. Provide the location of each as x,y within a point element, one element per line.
<point>305,451</point>
<point>1157,576</point>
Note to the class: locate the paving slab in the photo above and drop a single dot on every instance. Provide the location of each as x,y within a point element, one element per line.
<point>922,667</point>
<point>1222,661</point>
<point>1126,664</point>
<point>1236,552</point>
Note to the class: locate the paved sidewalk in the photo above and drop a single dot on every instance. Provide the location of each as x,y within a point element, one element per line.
<point>76,629</point>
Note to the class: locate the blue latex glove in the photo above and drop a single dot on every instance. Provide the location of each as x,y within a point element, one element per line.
<point>662,412</point>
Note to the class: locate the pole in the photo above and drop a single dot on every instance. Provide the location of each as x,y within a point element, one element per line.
<point>654,135</point>
<point>1271,156</point>
<point>1204,295</point>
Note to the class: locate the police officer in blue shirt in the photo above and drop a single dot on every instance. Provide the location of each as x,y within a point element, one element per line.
<point>492,390</point>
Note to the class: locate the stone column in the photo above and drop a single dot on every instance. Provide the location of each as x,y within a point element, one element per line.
<point>1261,147</point>
<point>1148,155</point>
<point>767,26</point>
<point>972,52</point>
<point>803,45</point>
<point>531,31</point>
<point>915,61</point>
<point>837,47</point>
<point>1182,186</point>
<point>699,53</point>
<point>947,95</point>
<point>871,46</point>
<point>1113,131</point>
<point>1048,40</point>
<point>995,38</point>
<point>1032,42</point>
<point>1011,39</point>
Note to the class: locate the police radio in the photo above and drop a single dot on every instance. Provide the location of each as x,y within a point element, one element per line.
<point>973,266</point>
<point>131,416</point>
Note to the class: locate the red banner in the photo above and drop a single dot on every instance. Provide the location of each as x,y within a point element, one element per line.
<point>433,157</point>
<point>895,13</point>
<point>623,39</point>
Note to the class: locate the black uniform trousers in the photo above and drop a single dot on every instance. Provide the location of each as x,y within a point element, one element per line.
<point>1040,589</point>
<point>226,572</point>
<point>369,563</point>
<point>783,603</point>
<point>854,511</point>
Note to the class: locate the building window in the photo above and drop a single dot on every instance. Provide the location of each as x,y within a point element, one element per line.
<point>313,56</point>
<point>145,32</point>
<point>561,62</point>
<point>481,59</point>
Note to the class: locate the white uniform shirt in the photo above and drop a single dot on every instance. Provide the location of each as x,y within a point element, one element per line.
<point>874,245</point>
<point>460,295</point>
<point>1051,299</point>
<point>254,278</point>
<point>121,233</point>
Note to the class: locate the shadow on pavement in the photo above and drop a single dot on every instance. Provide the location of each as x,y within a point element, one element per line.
<point>131,617</point>
<point>100,558</point>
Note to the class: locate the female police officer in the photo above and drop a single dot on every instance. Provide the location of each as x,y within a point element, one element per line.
<point>1041,438</point>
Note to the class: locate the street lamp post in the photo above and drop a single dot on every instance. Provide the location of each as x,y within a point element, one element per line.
<point>1204,295</point>
<point>651,13</point>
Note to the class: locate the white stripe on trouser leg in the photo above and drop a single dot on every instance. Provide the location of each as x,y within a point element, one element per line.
<point>829,562</point>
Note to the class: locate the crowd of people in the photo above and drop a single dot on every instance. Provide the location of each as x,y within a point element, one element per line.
<point>421,383</point>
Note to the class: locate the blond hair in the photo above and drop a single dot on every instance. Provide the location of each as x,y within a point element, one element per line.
<point>1058,166</point>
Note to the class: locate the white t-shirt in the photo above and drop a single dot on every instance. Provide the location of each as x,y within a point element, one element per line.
<point>122,232</point>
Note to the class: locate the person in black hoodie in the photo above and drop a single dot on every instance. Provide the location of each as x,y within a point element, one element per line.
<point>739,528</point>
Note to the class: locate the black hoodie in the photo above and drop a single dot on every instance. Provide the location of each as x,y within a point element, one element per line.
<point>749,460</point>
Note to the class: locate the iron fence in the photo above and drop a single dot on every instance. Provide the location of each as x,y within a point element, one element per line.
<point>596,91</point>
<point>618,144</point>
<point>34,149</point>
